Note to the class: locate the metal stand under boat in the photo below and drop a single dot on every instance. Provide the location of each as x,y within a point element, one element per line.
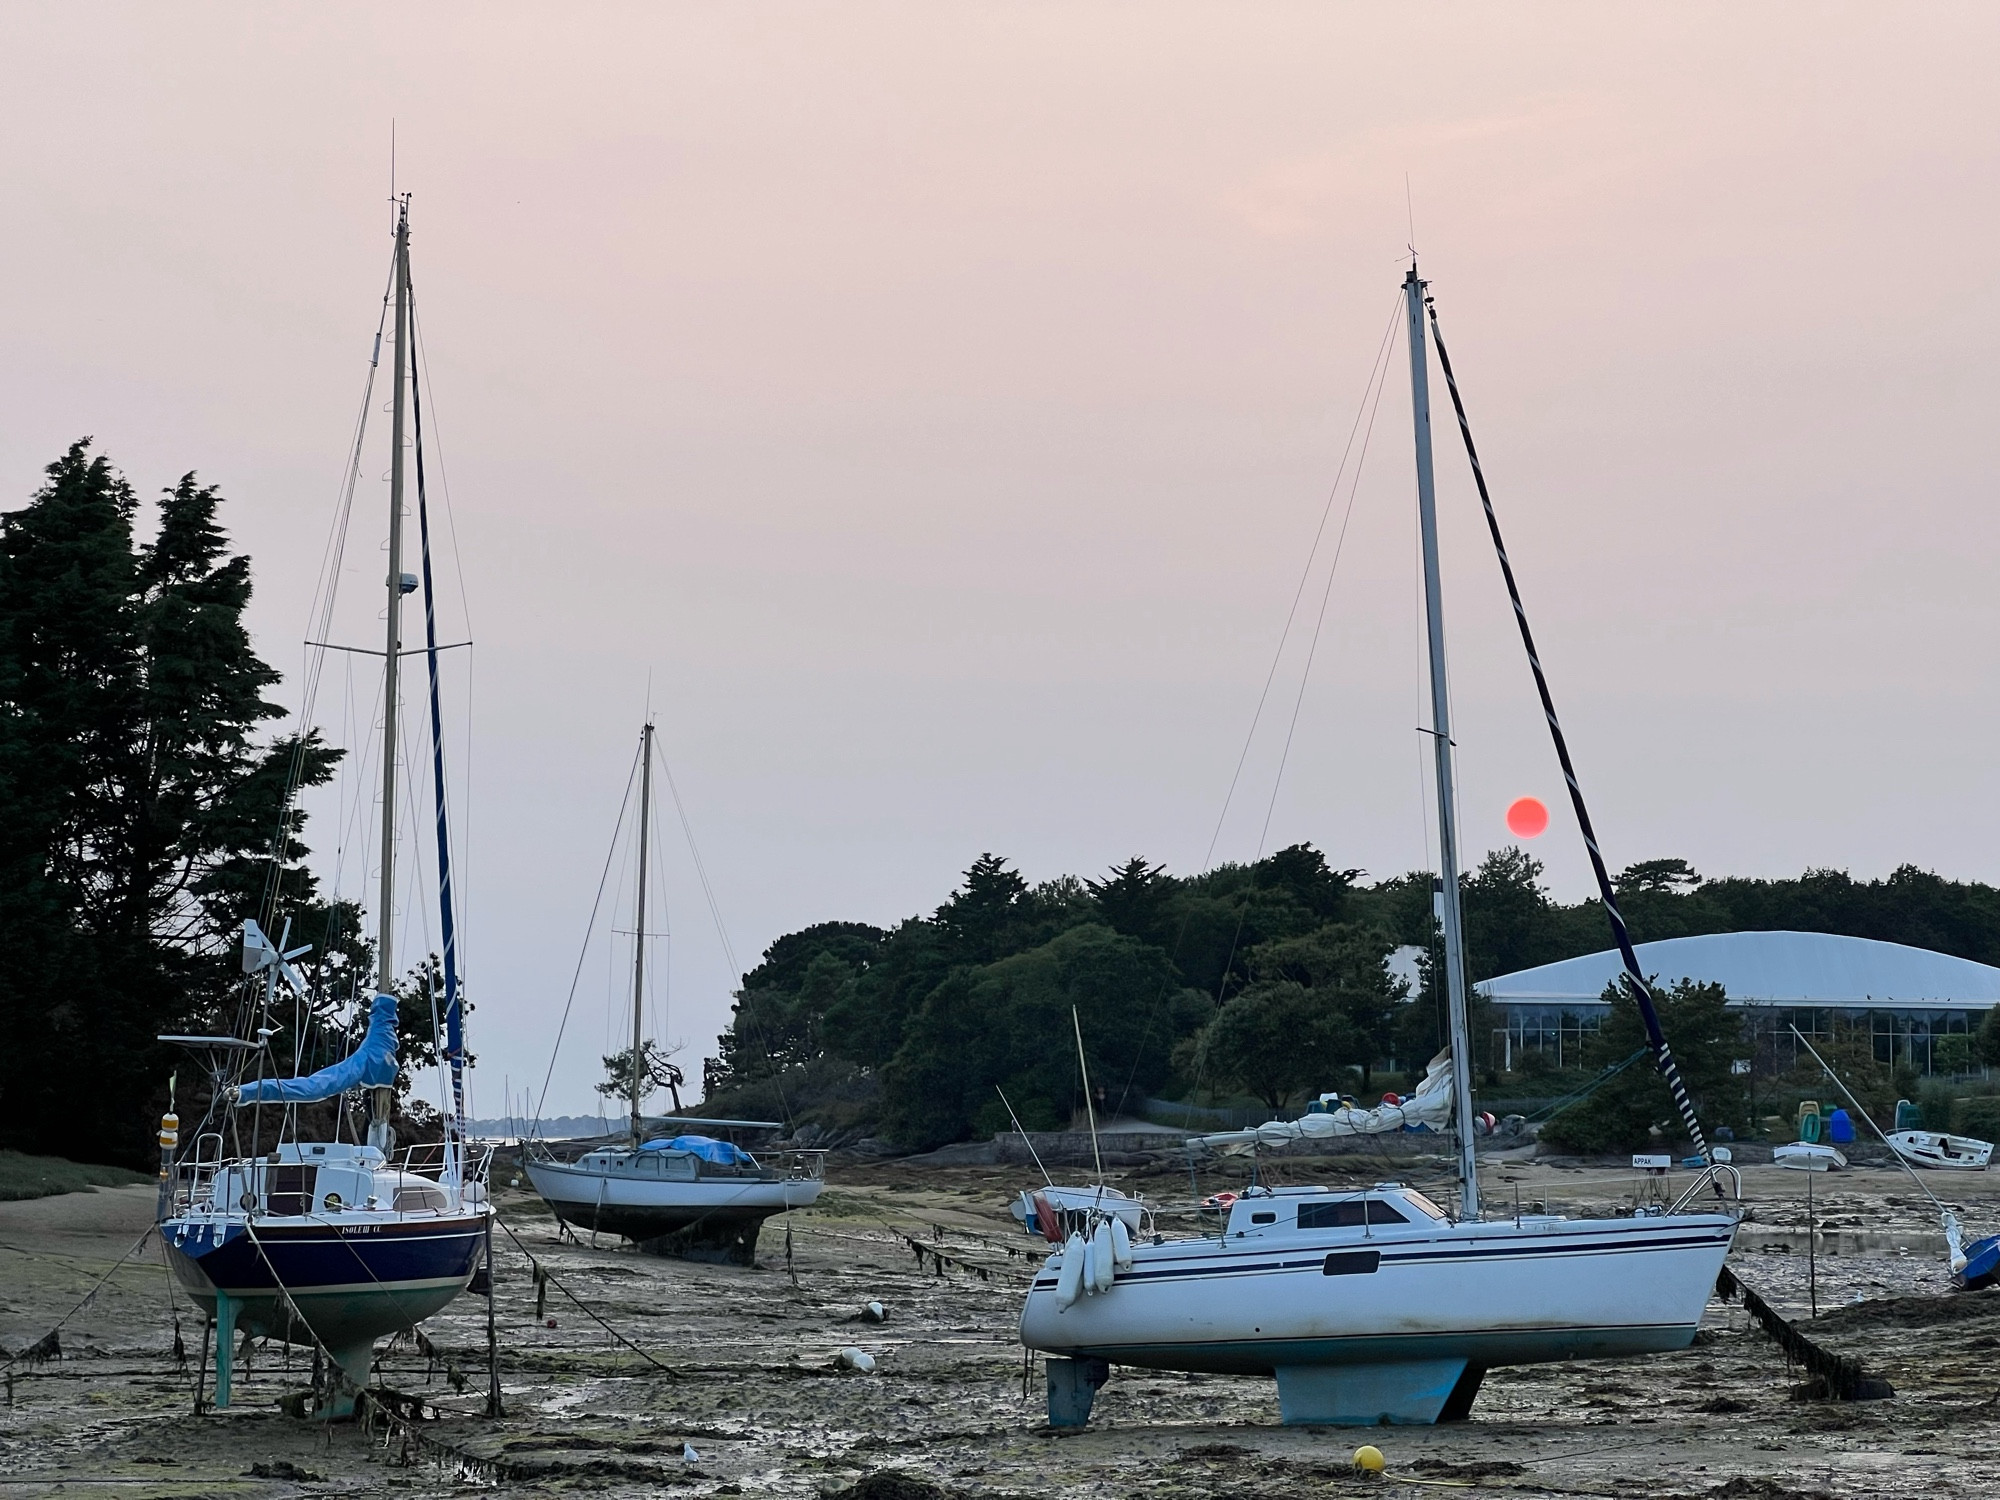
<point>1405,1394</point>
<point>225,1347</point>
<point>1073,1386</point>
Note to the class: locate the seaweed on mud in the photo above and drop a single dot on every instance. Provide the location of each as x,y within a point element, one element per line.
<point>1722,1406</point>
<point>520,1469</point>
<point>279,1468</point>
<point>578,1443</point>
<point>1743,1487</point>
<point>1213,1450</point>
<point>894,1484</point>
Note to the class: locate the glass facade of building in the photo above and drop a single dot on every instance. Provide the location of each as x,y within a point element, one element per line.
<point>1927,1040</point>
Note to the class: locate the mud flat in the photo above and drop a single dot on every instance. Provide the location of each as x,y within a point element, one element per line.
<point>742,1366</point>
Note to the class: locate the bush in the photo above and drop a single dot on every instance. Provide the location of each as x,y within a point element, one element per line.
<point>1979,1117</point>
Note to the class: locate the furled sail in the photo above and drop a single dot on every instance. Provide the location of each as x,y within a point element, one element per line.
<point>1430,1105</point>
<point>373,1064</point>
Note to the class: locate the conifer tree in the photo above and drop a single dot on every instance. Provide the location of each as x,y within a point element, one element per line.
<point>138,801</point>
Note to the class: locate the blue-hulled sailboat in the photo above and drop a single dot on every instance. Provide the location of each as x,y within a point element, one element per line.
<point>334,1243</point>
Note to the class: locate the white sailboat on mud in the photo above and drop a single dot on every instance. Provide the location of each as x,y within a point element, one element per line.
<point>1378,1306</point>
<point>670,1190</point>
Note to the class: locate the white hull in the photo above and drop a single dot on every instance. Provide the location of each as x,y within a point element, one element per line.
<point>1433,1301</point>
<point>1804,1156</point>
<point>701,1216</point>
<point>1948,1153</point>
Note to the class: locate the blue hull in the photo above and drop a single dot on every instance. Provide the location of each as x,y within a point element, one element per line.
<point>351,1282</point>
<point>1982,1265</point>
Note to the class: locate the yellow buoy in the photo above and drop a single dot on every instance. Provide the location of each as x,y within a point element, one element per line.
<point>1368,1459</point>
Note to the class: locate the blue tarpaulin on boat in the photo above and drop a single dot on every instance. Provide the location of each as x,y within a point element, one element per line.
<point>707,1147</point>
<point>371,1065</point>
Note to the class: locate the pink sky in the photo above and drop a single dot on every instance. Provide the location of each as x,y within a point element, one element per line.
<point>936,402</point>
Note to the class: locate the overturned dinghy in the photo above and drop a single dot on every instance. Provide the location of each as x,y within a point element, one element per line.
<point>1948,1153</point>
<point>1808,1156</point>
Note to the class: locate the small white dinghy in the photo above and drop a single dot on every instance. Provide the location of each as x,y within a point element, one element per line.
<point>1058,1212</point>
<point>1928,1148</point>
<point>1806,1156</point>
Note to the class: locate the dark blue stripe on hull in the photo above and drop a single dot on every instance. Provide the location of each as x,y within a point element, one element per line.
<point>1407,1252</point>
<point>324,1257</point>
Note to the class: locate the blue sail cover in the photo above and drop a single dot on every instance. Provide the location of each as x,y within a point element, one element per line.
<point>371,1065</point>
<point>707,1147</point>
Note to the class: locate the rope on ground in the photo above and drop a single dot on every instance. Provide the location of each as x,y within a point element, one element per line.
<point>49,1345</point>
<point>543,1276</point>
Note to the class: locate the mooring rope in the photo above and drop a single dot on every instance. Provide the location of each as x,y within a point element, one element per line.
<point>49,1346</point>
<point>1663,1055</point>
<point>544,1275</point>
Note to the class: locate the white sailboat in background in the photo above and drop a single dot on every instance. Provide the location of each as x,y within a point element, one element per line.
<point>1378,1306</point>
<point>670,1190</point>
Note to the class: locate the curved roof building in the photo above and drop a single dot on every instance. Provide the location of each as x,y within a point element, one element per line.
<point>1817,970</point>
<point>1905,998</point>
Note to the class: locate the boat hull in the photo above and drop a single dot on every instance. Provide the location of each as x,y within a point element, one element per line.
<point>1429,1308</point>
<point>1941,1153</point>
<point>350,1282</point>
<point>714,1219</point>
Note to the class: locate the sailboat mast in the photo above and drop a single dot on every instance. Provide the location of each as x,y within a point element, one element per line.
<point>1454,926</point>
<point>639,930</point>
<point>385,924</point>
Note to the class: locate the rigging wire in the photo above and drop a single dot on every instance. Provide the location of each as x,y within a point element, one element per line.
<point>1379,376</point>
<point>1376,382</point>
<point>320,615</point>
<point>589,928</point>
<point>1375,374</point>
<point>1663,1055</point>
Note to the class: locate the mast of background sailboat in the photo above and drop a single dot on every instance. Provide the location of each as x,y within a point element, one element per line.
<point>1454,929</point>
<point>639,931</point>
<point>385,955</point>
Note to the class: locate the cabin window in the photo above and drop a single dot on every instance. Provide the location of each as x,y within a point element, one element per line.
<point>1264,1218</point>
<point>292,1189</point>
<point>1351,1214</point>
<point>419,1198</point>
<point>1352,1263</point>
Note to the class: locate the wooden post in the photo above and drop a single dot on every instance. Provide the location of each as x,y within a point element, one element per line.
<point>493,1408</point>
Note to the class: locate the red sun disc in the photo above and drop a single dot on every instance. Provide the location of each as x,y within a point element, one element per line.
<point>1527,818</point>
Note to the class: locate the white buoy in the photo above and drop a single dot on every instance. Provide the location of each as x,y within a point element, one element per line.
<point>1121,1245</point>
<point>1069,1280</point>
<point>1101,1269</point>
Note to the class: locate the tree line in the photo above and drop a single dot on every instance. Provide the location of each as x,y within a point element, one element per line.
<point>144,815</point>
<point>1269,980</point>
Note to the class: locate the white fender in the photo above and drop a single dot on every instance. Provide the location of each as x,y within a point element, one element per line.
<point>1101,1266</point>
<point>1069,1280</point>
<point>1121,1245</point>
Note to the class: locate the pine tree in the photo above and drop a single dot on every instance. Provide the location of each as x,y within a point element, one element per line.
<point>137,808</point>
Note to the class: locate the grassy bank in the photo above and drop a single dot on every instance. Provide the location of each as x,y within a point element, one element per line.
<point>23,1176</point>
